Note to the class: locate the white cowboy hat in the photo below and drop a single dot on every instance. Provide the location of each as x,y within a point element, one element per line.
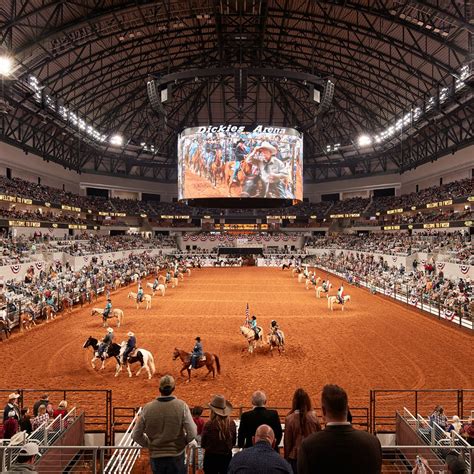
<point>220,405</point>
<point>130,334</point>
<point>110,330</point>
<point>267,146</point>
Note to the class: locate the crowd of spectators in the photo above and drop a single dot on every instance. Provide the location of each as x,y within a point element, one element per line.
<point>423,283</point>
<point>40,215</point>
<point>451,246</point>
<point>439,215</point>
<point>355,205</point>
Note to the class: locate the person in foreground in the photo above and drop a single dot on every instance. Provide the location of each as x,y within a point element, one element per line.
<point>339,447</point>
<point>261,458</point>
<point>260,415</point>
<point>26,459</point>
<point>165,427</point>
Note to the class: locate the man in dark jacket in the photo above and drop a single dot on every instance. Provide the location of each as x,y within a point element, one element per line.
<point>131,345</point>
<point>12,405</point>
<point>339,447</point>
<point>251,420</point>
<point>43,401</point>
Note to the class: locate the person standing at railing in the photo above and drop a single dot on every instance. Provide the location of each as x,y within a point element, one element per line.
<point>12,405</point>
<point>42,417</point>
<point>165,427</point>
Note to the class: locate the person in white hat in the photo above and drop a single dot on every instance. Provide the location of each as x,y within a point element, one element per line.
<point>131,345</point>
<point>26,459</point>
<point>219,436</point>
<point>272,171</point>
<point>108,339</point>
<point>12,405</point>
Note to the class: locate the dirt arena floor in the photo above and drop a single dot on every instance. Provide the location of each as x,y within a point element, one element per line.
<point>374,343</point>
<point>197,186</point>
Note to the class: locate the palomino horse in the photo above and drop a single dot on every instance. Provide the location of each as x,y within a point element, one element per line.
<point>320,290</point>
<point>161,288</point>
<point>309,282</point>
<point>146,299</point>
<point>162,279</point>
<point>112,351</point>
<point>116,314</point>
<point>334,299</point>
<point>249,334</point>
<point>144,357</point>
<point>276,342</point>
<point>117,284</point>
<point>208,360</point>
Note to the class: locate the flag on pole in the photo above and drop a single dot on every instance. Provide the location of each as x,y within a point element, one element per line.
<point>247,315</point>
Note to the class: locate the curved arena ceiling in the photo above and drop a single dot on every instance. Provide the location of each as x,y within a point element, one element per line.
<point>402,72</point>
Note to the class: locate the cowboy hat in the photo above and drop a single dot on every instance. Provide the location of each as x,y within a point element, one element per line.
<point>130,334</point>
<point>267,146</point>
<point>110,330</point>
<point>220,405</point>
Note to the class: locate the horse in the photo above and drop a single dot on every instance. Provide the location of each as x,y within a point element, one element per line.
<point>295,271</point>
<point>161,288</point>
<point>116,313</point>
<point>47,312</point>
<point>229,167</point>
<point>310,282</point>
<point>180,276</point>
<point>146,299</point>
<point>274,341</point>
<point>320,289</point>
<point>174,282</point>
<point>286,266</point>
<point>87,297</point>
<point>249,334</point>
<point>335,299</point>
<point>216,169</point>
<point>138,355</point>
<point>208,360</point>
<point>5,327</point>
<point>117,283</point>
<point>26,321</point>
<point>112,351</point>
<point>301,278</point>
<point>162,279</point>
<point>66,304</point>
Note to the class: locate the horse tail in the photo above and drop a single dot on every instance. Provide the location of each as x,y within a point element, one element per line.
<point>218,364</point>
<point>152,363</point>
<point>120,316</point>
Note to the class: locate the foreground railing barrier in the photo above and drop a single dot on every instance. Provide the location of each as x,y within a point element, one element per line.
<point>92,458</point>
<point>123,461</point>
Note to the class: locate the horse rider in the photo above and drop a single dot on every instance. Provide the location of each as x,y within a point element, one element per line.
<point>131,346</point>
<point>240,153</point>
<point>253,325</point>
<point>104,345</point>
<point>50,302</point>
<point>196,354</point>
<point>340,295</point>
<point>168,276</point>
<point>108,308</point>
<point>325,286</point>
<point>155,284</point>
<point>140,294</point>
<point>275,329</point>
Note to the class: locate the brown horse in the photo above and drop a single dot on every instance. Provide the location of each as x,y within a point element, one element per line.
<point>207,360</point>
<point>216,168</point>
<point>244,170</point>
<point>26,321</point>
<point>4,327</point>
<point>66,304</point>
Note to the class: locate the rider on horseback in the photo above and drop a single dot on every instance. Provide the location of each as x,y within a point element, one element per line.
<point>340,295</point>
<point>325,286</point>
<point>240,153</point>
<point>253,325</point>
<point>155,284</point>
<point>196,354</point>
<point>275,329</point>
<point>140,294</point>
<point>50,301</point>
<point>104,345</point>
<point>108,308</point>
<point>168,276</point>
<point>131,345</point>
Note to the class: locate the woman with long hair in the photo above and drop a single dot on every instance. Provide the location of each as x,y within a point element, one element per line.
<point>300,423</point>
<point>218,437</point>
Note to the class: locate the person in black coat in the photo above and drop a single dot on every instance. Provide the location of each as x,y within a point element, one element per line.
<point>339,447</point>
<point>251,420</point>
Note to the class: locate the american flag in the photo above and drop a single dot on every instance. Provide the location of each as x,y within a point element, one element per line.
<point>247,315</point>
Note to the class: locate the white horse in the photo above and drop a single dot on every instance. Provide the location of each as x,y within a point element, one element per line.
<point>320,290</point>
<point>117,284</point>
<point>161,288</point>
<point>249,334</point>
<point>334,299</point>
<point>146,299</point>
<point>144,357</point>
<point>309,283</point>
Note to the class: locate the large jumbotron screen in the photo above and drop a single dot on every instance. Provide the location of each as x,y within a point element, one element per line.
<point>235,161</point>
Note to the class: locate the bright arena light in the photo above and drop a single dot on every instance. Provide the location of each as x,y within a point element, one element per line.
<point>364,140</point>
<point>116,140</point>
<point>6,65</point>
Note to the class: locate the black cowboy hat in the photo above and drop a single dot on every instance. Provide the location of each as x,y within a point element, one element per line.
<point>198,339</point>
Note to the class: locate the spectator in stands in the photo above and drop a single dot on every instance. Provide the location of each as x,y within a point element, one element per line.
<point>455,463</point>
<point>42,417</point>
<point>165,427</point>
<point>25,420</point>
<point>468,431</point>
<point>455,425</point>
<point>261,457</point>
<point>439,417</point>
<point>218,436</point>
<point>196,413</point>
<point>10,426</point>
<point>339,447</point>
<point>26,459</point>
<point>251,420</point>
<point>61,410</point>
<point>12,405</point>
<point>43,401</point>
<point>300,423</point>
